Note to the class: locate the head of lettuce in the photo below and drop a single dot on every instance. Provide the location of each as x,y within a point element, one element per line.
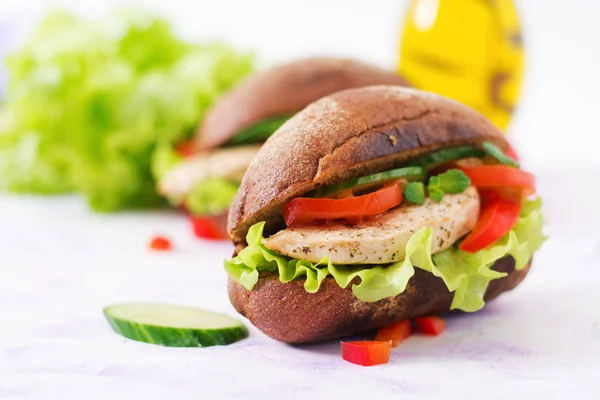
<point>88,102</point>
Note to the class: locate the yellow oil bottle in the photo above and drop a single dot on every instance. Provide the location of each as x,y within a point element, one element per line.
<point>468,50</point>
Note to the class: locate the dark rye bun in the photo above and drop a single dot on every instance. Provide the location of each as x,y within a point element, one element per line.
<point>286,312</point>
<point>348,134</point>
<point>285,89</point>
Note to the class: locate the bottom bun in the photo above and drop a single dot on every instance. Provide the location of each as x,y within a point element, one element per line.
<point>286,312</point>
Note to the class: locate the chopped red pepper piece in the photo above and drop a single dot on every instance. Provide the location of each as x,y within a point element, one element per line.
<point>161,243</point>
<point>430,325</point>
<point>212,227</point>
<point>396,333</point>
<point>366,353</point>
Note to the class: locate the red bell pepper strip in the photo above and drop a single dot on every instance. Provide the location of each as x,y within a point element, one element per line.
<point>500,176</point>
<point>430,325</point>
<point>303,210</point>
<point>396,333</point>
<point>366,353</point>
<point>498,216</point>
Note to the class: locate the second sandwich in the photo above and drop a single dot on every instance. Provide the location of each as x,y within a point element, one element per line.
<point>206,179</point>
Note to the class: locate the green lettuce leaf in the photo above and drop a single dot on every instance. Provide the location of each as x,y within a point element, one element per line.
<point>208,197</point>
<point>211,196</point>
<point>467,275</point>
<point>214,195</point>
<point>86,104</point>
<point>164,158</point>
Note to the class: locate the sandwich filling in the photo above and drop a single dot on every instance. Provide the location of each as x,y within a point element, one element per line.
<point>452,213</point>
<point>205,183</point>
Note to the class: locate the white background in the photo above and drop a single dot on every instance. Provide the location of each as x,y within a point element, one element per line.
<point>60,264</point>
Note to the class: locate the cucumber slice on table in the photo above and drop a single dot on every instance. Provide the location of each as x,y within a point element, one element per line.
<point>174,326</point>
<point>363,182</point>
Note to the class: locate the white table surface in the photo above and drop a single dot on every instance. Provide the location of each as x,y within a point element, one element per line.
<point>60,265</point>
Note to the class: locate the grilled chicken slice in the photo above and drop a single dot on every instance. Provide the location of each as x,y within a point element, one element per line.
<point>382,240</point>
<point>228,163</point>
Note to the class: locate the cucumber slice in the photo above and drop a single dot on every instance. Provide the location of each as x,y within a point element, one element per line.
<point>363,182</point>
<point>174,326</point>
<point>258,132</point>
<point>495,152</point>
<point>437,158</point>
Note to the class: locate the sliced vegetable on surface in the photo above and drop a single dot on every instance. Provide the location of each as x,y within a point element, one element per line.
<point>161,243</point>
<point>367,353</point>
<point>174,326</point>
<point>430,325</point>
<point>212,227</point>
<point>396,333</point>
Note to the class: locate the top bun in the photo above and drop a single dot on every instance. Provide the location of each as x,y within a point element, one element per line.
<point>345,135</point>
<point>285,89</point>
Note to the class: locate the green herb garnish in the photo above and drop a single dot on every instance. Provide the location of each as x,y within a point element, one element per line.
<point>453,181</point>
<point>494,151</point>
<point>436,194</point>
<point>415,192</point>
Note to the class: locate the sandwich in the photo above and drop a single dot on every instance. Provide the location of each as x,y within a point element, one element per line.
<point>205,179</point>
<point>378,205</point>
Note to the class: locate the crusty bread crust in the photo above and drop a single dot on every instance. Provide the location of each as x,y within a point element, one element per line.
<point>285,89</point>
<point>286,312</point>
<point>350,133</point>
